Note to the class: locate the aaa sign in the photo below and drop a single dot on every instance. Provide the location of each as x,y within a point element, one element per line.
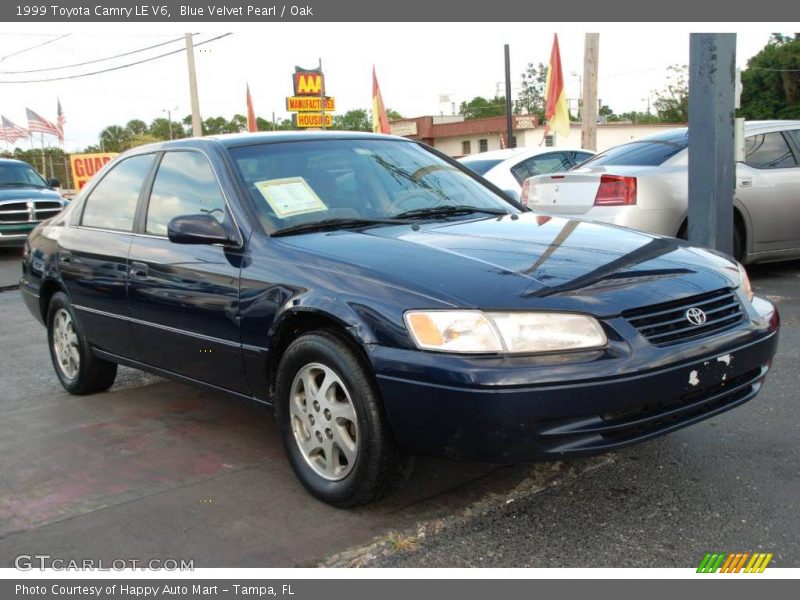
<point>308,83</point>
<point>85,166</point>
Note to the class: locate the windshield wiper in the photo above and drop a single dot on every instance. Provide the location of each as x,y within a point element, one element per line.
<point>339,223</point>
<point>444,211</point>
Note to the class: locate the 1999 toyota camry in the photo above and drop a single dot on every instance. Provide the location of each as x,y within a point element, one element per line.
<point>387,302</point>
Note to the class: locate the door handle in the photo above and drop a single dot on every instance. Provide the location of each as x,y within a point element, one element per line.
<point>138,270</point>
<point>745,182</point>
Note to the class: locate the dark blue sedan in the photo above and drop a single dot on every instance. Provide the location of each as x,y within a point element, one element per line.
<point>387,302</point>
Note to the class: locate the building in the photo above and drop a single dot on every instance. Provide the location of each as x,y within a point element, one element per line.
<point>455,136</point>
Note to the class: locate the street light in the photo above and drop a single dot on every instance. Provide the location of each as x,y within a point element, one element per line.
<point>169,118</point>
<point>580,89</point>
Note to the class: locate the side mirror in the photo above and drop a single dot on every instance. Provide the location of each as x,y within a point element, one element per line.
<point>198,229</point>
<point>53,183</point>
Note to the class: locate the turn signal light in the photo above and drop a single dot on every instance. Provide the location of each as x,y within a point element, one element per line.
<point>616,190</point>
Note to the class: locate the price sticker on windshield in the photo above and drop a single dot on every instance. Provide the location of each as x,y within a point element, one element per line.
<point>290,196</point>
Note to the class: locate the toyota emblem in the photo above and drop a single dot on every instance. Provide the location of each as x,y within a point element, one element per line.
<point>695,316</point>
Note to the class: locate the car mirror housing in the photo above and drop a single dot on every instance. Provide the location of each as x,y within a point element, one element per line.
<point>198,229</point>
<point>53,183</point>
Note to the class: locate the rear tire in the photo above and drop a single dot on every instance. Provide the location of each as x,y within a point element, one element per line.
<point>333,424</point>
<point>77,368</point>
<point>738,239</point>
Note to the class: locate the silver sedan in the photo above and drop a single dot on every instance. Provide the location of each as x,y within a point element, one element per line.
<point>644,185</point>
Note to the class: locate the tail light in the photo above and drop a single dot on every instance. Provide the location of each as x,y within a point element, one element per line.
<point>616,190</point>
<point>526,191</point>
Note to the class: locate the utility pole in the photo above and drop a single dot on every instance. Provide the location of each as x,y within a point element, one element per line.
<point>197,124</point>
<point>712,171</point>
<point>591,56</point>
<point>512,143</point>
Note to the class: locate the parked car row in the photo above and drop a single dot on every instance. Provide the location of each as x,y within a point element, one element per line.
<point>644,185</point>
<point>386,301</point>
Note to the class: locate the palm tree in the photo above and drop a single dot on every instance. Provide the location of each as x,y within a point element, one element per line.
<point>114,138</point>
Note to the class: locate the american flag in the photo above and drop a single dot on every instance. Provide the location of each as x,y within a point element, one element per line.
<point>38,124</point>
<point>60,120</point>
<point>12,132</point>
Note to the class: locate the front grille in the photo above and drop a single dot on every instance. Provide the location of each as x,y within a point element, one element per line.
<point>21,212</point>
<point>45,209</point>
<point>666,323</point>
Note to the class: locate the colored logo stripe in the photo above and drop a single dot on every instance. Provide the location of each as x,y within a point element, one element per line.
<point>734,563</point>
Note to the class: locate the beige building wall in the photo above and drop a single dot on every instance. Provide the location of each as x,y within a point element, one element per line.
<point>608,135</point>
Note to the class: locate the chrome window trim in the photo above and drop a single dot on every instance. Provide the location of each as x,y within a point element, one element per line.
<point>240,244</point>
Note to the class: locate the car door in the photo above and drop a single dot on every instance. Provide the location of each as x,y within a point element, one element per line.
<point>93,255</point>
<point>768,185</point>
<point>184,298</point>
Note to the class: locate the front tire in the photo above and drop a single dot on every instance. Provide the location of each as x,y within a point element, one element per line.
<point>333,425</point>
<point>78,369</point>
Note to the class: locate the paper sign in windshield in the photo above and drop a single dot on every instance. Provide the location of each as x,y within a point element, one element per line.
<point>290,196</point>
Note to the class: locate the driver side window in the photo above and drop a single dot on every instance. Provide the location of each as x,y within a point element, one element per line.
<point>185,184</point>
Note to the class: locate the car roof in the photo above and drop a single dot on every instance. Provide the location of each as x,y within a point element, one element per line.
<point>13,161</point>
<point>508,153</point>
<point>681,133</point>
<point>231,140</point>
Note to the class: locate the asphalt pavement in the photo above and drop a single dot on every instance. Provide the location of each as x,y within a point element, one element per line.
<point>157,469</point>
<point>729,484</point>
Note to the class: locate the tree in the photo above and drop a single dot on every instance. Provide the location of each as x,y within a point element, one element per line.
<point>480,108</point>
<point>771,82</point>
<point>393,115</point>
<point>353,120</point>
<point>160,129</point>
<point>672,102</point>
<point>531,98</point>
<point>114,138</point>
<point>136,127</point>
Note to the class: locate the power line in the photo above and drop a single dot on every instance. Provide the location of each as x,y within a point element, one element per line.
<point>18,52</point>
<point>89,62</point>
<point>117,68</point>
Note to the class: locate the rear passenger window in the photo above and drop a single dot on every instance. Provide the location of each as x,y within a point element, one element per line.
<point>539,165</point>
<point>112,203</point>
<point>768,151</point>
<point>185,184</point>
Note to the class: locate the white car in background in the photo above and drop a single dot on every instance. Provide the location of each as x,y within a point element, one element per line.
<point>507,169</point>
<point>644,185</point>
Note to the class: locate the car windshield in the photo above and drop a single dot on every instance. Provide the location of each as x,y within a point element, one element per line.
<point>13,174</point>
<point>647,152</point>
<point>481,166</point>
<point>304,182</point>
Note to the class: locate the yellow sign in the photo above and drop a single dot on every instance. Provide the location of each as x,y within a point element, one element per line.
<point>308,83</point>
<point>85,166</point>
<point>309,103</point>
<point>311,119</point>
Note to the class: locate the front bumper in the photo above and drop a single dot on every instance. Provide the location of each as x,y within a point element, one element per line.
<point>499,410</point>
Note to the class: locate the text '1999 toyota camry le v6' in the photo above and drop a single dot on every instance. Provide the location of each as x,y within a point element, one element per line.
<point>387,302</point>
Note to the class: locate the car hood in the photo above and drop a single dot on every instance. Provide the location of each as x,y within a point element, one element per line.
<point>28,193</point>
<point>529,261</point>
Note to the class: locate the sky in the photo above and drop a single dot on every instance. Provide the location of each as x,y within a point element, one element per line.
<point>416,63</point>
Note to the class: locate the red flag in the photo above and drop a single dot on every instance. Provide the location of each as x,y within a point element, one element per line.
<point>556,112</point>
<point>380,122</point>
<point>251,115</point>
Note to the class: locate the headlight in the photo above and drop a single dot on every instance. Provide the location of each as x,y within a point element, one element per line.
<point>744,283</point>
<point>509,332</point>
